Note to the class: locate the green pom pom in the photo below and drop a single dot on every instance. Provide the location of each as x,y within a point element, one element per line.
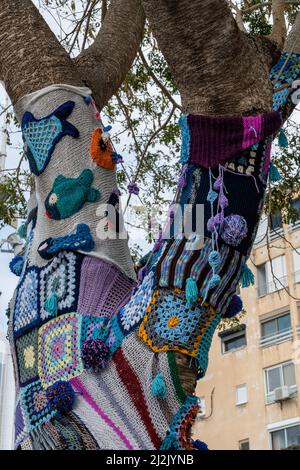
<point>282,139</point>
<point>51,304</point>
<point>22,231</point>
<point>247,278</point>
<point>191,291</point>
<point>158,387</point>
<point>274,174</point>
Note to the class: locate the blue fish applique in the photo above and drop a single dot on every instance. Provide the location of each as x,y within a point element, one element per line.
<point>80,240</point>
<point>68,195</point>
<point>42,135</point>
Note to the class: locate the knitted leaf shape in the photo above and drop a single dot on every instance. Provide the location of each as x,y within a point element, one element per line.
<point>42,135</point>
<point>101,152</point>
<point>68,195</point>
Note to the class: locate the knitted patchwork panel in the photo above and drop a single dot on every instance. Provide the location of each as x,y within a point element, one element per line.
<point>172,325</point>
<point>61,276</point>
<point>133,312</point>
<point>41,135</point>
<point>35,405</point>
<point>104,289</point>
<point>177,264</point>
<point>26,347</point>
<point>209,141</point>
<point>59,354</point>
<point>27,305</point>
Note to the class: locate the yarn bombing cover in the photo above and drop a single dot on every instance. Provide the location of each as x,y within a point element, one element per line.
<point>95,352</point>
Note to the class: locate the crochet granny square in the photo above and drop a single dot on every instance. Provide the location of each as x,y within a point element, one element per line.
<point>26,347</point>
<point>26,308</point>
<point>61,276</point>
<point>170,324</point>
<point>35,404</point>
<point>59,349</point>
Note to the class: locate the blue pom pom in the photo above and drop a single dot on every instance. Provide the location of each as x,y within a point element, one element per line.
<point>215,280</point>
<point>107,128</point>
<point>214,259</point>
<point>212,196</point>
<point>282,139</point>
<point>158,387</point>
<point>61,396</point>
<point>199,445</point>
<point>191,291</point>
<point>274,174</point>
<point>16,265</point>
<point>51,304</point>
<point>235,307</point>
<point>247,277</point>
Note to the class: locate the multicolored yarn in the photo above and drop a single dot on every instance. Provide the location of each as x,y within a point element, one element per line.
<point>80,240</point>
<point>288,67</point>
<point>61,396</point>
<point>170,324</point>
<point>136,401</point>
<point>178,436</point>
<point>234,229</point>
<point>59,352</point>
<point>95,354</point>
<point>68,195</point>
<point>42,135</point>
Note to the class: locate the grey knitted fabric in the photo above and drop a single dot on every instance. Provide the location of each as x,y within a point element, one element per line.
<point>70,157</point>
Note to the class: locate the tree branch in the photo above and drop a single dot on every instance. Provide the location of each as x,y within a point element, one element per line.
<point>218,69</point>
<point>30,55</point>
<point>292,43</point>
<point>278,34</point>
<point>106,62</point>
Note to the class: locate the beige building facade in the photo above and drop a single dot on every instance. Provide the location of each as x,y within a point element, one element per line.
<point>250,394</point>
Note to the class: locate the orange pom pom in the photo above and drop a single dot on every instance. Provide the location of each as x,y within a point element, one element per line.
<point>101,152</point>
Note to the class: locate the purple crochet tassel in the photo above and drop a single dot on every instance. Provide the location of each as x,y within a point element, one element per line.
<point>182,182</point>
<point>133,188</point>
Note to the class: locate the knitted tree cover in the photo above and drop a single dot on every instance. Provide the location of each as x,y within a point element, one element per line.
<point>94,354</point>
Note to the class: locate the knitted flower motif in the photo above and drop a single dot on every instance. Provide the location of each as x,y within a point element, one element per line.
<point>29,357</point>
<point>234,229</point>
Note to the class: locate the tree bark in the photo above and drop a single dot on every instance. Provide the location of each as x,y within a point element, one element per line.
<point>32,58</point>
<point>105,63</point>
<point>219,70</point>
<point>30,55</point>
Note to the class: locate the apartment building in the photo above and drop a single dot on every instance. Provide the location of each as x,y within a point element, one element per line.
<point>7,396</point>
<point>250,394</point>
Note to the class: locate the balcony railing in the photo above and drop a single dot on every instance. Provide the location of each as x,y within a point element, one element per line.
<point>283,335</point>
<point>298,330</point>
<point>295,226</point>
<point>272,286</point>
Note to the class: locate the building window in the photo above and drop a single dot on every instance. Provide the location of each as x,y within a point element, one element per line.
<point>244,444</point>
<point>202,404</point>
<point>241,394</point>
<point>281,377</point>
<point>296,259</point>
<point>276,330</point>
<point>233,339</point>
<point>266,282</point>
<point>285,437</point>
